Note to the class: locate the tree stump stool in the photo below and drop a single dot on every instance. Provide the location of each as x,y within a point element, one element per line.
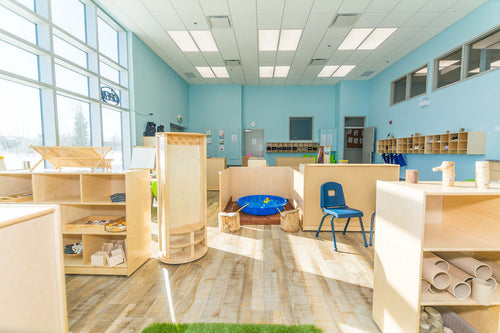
<point>289,220</point>
<point>229,222</point>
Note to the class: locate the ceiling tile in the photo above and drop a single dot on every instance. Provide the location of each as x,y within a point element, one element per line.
<point>326,6</point>
<point>369,20</point>
<point>267,58</point>
<point>187,7</point>
<point>213,58</point>
<point>446,19</point>
<point>226,43</point>
<point>195,22</point>
<point>294,21</point>
<point>410,5</point>
<point>339,57</point>
<point>159,7</point>
<point>438,6</point>
<point>321,21</point>
<point>395,19</point>
<point>421,19</point>
<point>354,6</point>
<point>467,5</point>
<point>267,21</point>
<point>244,7</point>
<point>285,58</point>
<point>244,21</point>
<point>270,6</point>
<point>214,7</point>
<point>298,6</point>
<point>384,6</point>
<point>170,22</point>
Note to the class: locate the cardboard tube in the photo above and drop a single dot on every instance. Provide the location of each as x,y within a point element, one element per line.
<point>483,174</point>
<point>437,261</point>
<point>481,291</point>
<point>434,290</point>
<point>458,287</point>
<point>435,275</point>
<point>424,286</point>
<point>495,268</point>
<point>493,284</point>
<point>469,265</point>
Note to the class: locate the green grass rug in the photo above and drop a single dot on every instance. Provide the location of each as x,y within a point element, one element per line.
<point>228,328</point>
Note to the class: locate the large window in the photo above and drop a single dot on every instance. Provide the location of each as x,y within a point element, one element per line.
<point>21,124</point>
<point>51,78</point>
<point>484,54</point>
<point>411,85</point>
<point>449,68</point>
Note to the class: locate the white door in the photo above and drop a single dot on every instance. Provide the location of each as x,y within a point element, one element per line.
<point>368,144</point>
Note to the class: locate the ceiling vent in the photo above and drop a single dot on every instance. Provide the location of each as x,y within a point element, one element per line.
<point>219,22</point>
<point>367,73</point>
<point>233,63</point>
<point>190,75</point>
<point>345,20</point>
<point>318,62</point>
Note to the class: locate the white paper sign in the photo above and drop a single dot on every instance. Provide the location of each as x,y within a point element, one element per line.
<point>221,147</point>
<point>254,141</point>
<point>234,138</point>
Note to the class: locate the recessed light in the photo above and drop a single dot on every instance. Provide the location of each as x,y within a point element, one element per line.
<point>377,37</point>
<point>205,41</point>
<point>205,72</point>
<point>268,40</point>
<point>327,71</point>
<point>354,38</point>
<point>220,72</point>
<point>281,71</point>
<point>343,70</point>
<point>289,39</point>
<point>183,41</point>
<point>266,71</point>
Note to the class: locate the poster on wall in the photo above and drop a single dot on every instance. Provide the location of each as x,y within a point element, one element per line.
<point>221,147</point>
<point>354,138</point>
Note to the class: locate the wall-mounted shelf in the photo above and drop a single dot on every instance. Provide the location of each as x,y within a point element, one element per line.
<point>465,143</point>
<point>292,147</point>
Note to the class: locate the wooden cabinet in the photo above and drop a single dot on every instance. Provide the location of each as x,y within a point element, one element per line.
<point>413,219</point>
<point>87,195</point>
<point>182,197</point>
<point>32,286</point>
<point>465,143</point>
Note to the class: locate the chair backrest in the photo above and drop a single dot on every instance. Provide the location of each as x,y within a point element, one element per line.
<point>332,195</point>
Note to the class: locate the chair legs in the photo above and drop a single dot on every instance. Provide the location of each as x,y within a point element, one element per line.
<point>319,229</point>
<point>363,231</point>
<point>333,234</point>
<point>371,228</point>
<point>347,223</point>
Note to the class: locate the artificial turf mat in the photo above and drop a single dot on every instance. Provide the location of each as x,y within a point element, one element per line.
<point>229,328</point>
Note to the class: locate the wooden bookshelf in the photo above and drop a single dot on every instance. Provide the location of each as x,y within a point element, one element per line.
<point>465,143</point>
<point>83,194</point>
<point>420,218</point>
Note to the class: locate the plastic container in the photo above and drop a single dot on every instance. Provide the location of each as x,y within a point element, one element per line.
<point>262,204</point>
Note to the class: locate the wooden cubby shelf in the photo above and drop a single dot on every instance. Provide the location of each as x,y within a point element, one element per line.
<point>464,143</point>
<point>83,195</point>
<point>426,217</point>
<point>292,147</point>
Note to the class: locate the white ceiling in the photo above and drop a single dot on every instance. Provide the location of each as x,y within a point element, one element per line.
<point>417,22</point>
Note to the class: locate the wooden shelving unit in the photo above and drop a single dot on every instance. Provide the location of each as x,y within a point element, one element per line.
<point>83,194</point>
<point>182,186</point>
<point>465,143</point>
<point>426,217</point>
<point>292,147</point>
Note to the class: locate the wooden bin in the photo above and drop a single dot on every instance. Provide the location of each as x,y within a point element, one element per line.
<point>182,197</point>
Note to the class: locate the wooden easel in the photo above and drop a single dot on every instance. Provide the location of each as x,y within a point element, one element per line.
<point>77,157</point>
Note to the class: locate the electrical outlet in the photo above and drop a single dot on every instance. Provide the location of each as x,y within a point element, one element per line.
<point>497,128</point>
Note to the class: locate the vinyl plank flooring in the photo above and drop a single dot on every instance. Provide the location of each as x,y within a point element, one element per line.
<point>259,274</point>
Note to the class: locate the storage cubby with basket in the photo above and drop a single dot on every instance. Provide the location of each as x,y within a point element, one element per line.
<point>86,207</point>
<point>182,208</point>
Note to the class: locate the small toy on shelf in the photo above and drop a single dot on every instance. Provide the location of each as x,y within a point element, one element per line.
<point>116,226</point>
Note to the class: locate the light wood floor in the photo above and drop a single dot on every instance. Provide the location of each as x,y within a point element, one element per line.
<point>258,275</point>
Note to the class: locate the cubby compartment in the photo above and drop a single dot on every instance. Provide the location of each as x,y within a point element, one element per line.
<point>94,243</point>
<point>97,188</point>
<point>56,188</point>
<point>14,185</point>
<point>72,259</point>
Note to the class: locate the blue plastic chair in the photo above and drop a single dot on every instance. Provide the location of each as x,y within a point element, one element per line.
<point>335,206</point>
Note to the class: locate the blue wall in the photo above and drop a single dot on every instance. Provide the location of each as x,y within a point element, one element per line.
<point>218,107</point>
<point>472,104</point>
<point>157,89</point>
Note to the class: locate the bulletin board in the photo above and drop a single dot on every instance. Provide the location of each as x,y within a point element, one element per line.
<point>354,138</point>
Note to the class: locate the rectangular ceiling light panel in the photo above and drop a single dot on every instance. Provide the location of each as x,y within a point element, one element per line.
<point>343,70</point>
<point>266,71</point>
<point>327,71</point>
<point>205,41</point>
<point>281,71</point>
<point>183,41</point>
<point>377,37</point>
<point>205,72</point>
<point>289,39</point>
<point>268,40</point>
<point>354,38</point>
<point>220,72</point>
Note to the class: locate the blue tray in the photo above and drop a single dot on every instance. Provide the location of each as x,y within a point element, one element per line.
<point>262,204</point>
